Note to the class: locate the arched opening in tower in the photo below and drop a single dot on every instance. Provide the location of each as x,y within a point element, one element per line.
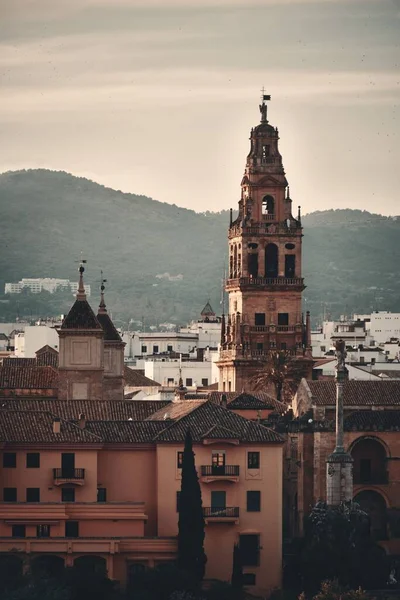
<point>290,265</point>
<point>271,260</point>
<point>268,205</point>
<point>253,265</point>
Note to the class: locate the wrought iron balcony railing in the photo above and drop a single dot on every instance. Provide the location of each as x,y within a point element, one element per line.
<point>220,512</point>
<point>220,471</point>
<point>69,473</point>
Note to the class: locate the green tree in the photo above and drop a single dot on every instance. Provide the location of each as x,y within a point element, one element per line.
<point>280,368</point>
<point>237,570</point>
<point>337,545</point>
<point>191,556</point>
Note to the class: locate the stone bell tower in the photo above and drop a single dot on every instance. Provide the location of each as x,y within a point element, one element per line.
<point>265,282</point>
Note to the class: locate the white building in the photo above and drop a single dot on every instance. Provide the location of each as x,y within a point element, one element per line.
<point>48,284</point>
<point>33,338</point>
<point>384,326</point>
<point>167,372</point>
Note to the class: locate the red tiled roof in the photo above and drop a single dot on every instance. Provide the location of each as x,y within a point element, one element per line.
<point>203,418</point>
<point>373,420</point>
<point>37,427</point>
<point>94,410</point>
<point>176,410</point>
<point>28,378</point>
<point>8,361</point>
<point>356,393</point>
<point>245,400</point>
<point>135,378</point>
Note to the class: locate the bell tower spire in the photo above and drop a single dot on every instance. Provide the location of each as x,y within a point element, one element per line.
<point>264,280</point>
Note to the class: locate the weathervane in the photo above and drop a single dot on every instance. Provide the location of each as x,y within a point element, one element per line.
<point>81,288</point>
<point>102,305</point>
<point>263,107</point>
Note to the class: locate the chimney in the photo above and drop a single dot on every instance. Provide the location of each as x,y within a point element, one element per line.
<point>57,425</point>
<point>223,401</point>
<point>82,421</point>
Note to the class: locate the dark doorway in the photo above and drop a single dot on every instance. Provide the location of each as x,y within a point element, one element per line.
<point>271,260</point>
<point>268,205</point>
<point>373,504</point>
<point>48,565</point>
<point>290,265</point>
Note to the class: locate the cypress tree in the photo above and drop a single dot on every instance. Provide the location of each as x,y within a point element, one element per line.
<point>237,570</point>
<point>191,556</point>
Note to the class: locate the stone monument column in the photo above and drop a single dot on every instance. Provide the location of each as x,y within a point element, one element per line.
<point>339,464</point>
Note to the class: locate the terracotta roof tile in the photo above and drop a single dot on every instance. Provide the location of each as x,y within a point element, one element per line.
<point>244,400</point>
<point>356,393</point>
<point>94,410</point>
<point>81,316</point>
<point>176,410</point>
<point>8,361</point>
<point>373,420</point>
<point>203,418</point>
<point>134,377</point>
<point>126,432</point>
<point>47,356</point>
<point>37,427</point>
<point>28,378</point>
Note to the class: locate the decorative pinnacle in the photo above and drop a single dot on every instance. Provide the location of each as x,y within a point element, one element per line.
<point>102,305</point>
<point>81,294</point>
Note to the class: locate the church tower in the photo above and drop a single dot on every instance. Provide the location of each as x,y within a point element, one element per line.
<point>81,358</point>
<point>264,282</point>
<point>113,383</point>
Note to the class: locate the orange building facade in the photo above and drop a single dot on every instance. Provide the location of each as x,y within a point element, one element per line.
<point>88,477</point>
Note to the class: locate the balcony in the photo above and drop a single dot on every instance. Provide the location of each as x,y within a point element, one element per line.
<point>216,514</point>
<point>210,473</point>
<point>266,282</point>
<point>74,476</point>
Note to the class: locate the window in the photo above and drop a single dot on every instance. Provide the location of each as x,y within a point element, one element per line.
<point>9,460</point>
<point>18,531</point>
<point>283,319</point>
<point>10,494</point>
<point>170,349</point>
<point>249,579</point>
<point>68,494</point>
<point>260,346</point>
<point>43,531</point>
<point>290,265</point>
<point>33,460</point>
<point>71,529</point>
<point>155,349</point>
<point>218,460</point>
<point>101,495</point>
<point>283,346</point>
<point>144,349</point>
<point>33,494</point>
<point>253,460</point>
<point>170,381</point>
<point>259,319</point>
<point>265,151</point>
<point>249,549</point>
<point>189,381</point>
<point>178,498</point>
<point>253,501</point>
<point>179,460</point>
<point>204,381</point>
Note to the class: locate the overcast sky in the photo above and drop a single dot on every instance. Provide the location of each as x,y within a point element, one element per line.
<point>157,97</point>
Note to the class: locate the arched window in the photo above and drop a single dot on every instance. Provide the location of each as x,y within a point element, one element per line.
<point>235,262</point>
<point>253,264</point>
<point>268,205</point>
<point>271,260</point>
<point>369,457</point>
<point>375,506</point>
<point>290,265</point>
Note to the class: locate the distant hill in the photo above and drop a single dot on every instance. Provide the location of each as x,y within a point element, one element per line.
<point>351,257</point>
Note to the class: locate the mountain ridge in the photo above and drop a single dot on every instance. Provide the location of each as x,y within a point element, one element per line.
<point>48,217</point>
